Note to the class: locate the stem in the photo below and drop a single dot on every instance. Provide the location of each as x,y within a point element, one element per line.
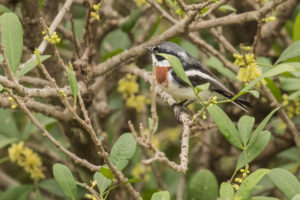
<point>233,175</point>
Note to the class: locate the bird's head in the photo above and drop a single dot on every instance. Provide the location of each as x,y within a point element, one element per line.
<point>166,48</point>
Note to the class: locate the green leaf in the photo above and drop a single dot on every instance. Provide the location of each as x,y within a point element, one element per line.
<point>122,151</point>
<point>204,186</point>
<point>65,180</point>
<point>272,72</point>
<point>285,181</point>
<point>254,93</point>
<point>290,84</point>
<point>294,95</point>
<point>150,124</point>
<point>1,88</point>
<point>249,183</point>
<point>296,197</point>
<point>4,140</point>
<point>296,29</point>
<point>226,191</point>
<point>164,195</point>
<point>274,89</point>
<point>177,67</point>
<point>216,64</point>
<point>202,87</point>
<point>225,125</point>
<point>134,16</point>
<point>12,39</point>
<point>8,124</point>
<point>111,54</point>
<point>17,193</point>
<point>107,173</point>
<point>225,8</point>
<point>30,128</point>
<point>38,195</point>
<point>73,83</point>
<point>155,28</point>
<point>254,149</point>
<point>30,65</point>
<point>51,186</point>
<point>245,125</point>
<point>263,198</point>
<point>4,9</point>
<point>261,126</point>
<point>292,51</point>
<point>133,180</point>
<point>102,182</point>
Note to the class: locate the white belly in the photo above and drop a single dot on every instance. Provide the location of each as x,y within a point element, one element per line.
<point>185,92</point>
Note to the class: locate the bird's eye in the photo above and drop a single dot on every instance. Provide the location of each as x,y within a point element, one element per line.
<point>156,52</point>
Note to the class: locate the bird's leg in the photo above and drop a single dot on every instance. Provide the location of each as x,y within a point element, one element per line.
<point>182,107</point>
<point>180,104</point>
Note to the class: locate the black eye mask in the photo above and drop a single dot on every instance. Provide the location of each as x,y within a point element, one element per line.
<point>159,58</point>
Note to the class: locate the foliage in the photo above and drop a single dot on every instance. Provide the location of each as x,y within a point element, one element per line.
<point>67,92</point>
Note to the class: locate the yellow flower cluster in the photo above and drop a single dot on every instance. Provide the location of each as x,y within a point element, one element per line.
<point>54,39</point>
<point>90,196</point>
<point>14,105</point>
<point>240,180</point>
<point>291,106</point>
<point>248,67</point>
<point>128,87</point>
<point>94,13</point>
<point>26,158</point>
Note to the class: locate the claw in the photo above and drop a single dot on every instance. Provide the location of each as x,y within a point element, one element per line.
<point>180,104</point>
<point>182,108</point>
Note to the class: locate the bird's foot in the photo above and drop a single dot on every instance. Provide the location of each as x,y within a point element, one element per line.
<point>182,108</point>
<point>180,104</point>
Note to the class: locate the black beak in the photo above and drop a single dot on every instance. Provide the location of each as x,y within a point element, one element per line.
<point>150,49</point>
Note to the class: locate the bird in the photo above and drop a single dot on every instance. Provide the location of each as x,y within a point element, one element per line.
<point>168,80</point>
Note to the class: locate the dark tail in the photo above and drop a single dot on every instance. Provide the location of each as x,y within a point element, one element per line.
<point>242,104</point>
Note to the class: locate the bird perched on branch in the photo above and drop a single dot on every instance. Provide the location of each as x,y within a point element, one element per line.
<point>170,82</point>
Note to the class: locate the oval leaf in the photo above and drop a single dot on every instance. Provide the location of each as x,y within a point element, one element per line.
<point>30,65</point>
<point>297,197</point>
<point>122,151</point>
<point>164,195</point>
<point>204,186</point>
<point>12,39</point>
<point>296,29</point>
<point>285,181</point>
<point>107,173</point>
<point>261,126</point>
<point>263,198</point>
<point>292,51</point>
<point>245,125</point>
<point>73,83</point>
<point>226,191</point>
<point>290,84</point>
<point>102,182</point>
<point>225,125</point>
<point>17,193</point>
<point>254,149</point>
<point>177,67</point>
<point>249,183</point>
<point>134,16</point>
<point>65,180</point>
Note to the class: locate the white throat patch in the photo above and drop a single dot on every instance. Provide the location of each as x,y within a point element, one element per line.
<point>160,63</point>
